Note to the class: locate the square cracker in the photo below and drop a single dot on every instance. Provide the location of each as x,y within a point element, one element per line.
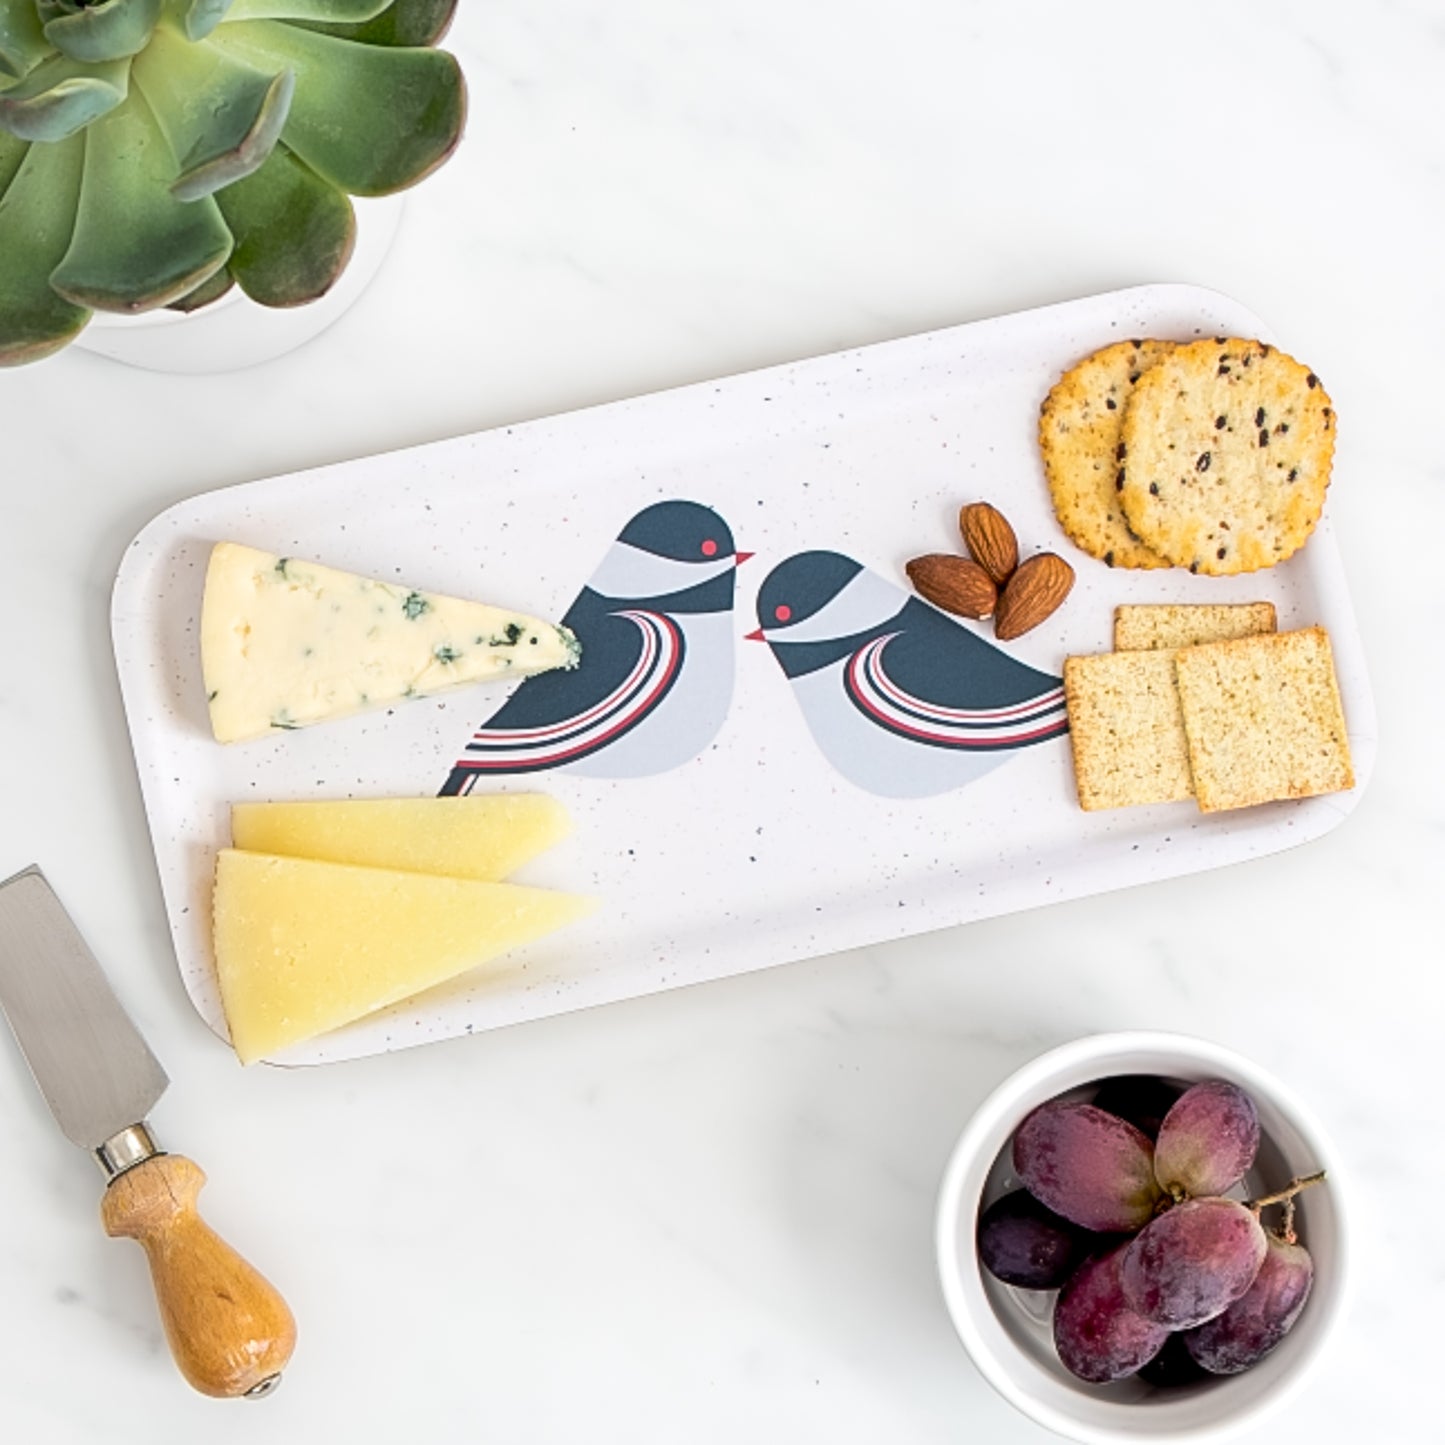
<point>1187,625</point>
<point>1126,729</point>
<point>1263,719</point>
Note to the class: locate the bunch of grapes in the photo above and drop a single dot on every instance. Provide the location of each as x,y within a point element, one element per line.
<point>1124,1210</point>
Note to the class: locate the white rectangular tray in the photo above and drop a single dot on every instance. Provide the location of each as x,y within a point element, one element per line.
<point>755,850</point>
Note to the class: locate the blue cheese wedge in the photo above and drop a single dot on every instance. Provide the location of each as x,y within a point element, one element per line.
<point>286,643</point>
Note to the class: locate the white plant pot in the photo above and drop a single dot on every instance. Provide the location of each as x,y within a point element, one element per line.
<point>235,332</point>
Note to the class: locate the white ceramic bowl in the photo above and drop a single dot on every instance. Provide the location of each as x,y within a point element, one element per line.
<point>1007,1331</point>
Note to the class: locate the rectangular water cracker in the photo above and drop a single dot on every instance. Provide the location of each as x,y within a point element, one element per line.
<point>1263,719</point>
<point>1167,625</point>
<point>1126,730</point>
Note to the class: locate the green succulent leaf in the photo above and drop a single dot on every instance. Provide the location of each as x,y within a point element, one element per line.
<point>22,39</point>
<point>111,30</point>
<point>207,292</point>
<point>61,96</point>
<point>36,212</point>
<point>221,116</point>
<point>294,231</point>
<point>135,245</point>
<point>12,155</point>
<point>195,19</point>
<point>335,10</point>
<point>415,104</point>
<point>404,22</point>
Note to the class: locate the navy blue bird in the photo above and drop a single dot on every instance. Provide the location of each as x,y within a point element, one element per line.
<point>904,701</point>
<point>655,677</point>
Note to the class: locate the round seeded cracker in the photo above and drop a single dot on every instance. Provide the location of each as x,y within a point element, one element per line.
<point>1226,452</point>
<point>1079,433</point>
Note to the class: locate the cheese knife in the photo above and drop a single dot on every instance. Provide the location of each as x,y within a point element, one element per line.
<point>231,1333</point>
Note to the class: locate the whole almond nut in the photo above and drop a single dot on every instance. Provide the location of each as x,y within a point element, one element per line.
<point>1034,592</point>
<point>990,540</point>
<point>953,583</point>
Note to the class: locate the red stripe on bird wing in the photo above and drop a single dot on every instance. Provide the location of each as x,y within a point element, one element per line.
<point>618,695</point>
<point>620,710</point>
<point>882,699</point>
<point>879,676</point>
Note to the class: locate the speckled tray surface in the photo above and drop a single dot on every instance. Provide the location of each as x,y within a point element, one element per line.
<point>739,803</point>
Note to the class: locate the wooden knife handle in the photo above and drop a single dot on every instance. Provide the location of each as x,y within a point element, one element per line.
<point>229,1330</point>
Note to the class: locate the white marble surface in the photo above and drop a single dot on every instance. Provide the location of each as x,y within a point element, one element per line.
<point>706,1216</point>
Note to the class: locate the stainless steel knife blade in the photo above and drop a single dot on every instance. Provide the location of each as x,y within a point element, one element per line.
<point>92,1065</point>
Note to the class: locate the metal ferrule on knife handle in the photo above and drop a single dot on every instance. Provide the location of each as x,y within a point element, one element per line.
<point>131,1146</point>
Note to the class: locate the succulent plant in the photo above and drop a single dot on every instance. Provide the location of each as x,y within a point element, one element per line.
<point>156,152</point>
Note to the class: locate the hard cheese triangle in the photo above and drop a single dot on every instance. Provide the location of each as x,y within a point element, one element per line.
<point>482,837</point>
<point>286,643</point>
<point>303,947</point>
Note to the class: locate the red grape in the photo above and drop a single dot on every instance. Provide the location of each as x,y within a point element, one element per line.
<point>1087,1165</point>
<point>1192,1262</point>
<point>1142,1099</point>
<point>1097,1335</point>
<point>1024,1243</point>
<point>1207,1141</point>
<point>1261,1317</point>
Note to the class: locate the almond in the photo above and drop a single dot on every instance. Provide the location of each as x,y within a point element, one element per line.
<point>990,540</point>
<point>1033,593</point>
<point>954,584</point>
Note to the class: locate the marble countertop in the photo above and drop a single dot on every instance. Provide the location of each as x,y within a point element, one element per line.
<point>706,1215</point>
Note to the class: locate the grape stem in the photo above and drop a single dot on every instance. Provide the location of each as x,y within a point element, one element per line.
<point>1288,1193</point>
<point>1286,1227</point>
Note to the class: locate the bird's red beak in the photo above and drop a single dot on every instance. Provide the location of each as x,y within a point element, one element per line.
<point>755,636</point>
<point>742,557</point>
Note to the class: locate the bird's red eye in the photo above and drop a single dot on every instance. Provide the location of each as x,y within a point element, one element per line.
<point>782,612</point>
<point>709,548</point>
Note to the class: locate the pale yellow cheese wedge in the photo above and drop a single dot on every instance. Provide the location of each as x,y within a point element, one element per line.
<point>286,643</point>
<point>303,947</point>
<point>485,837</point>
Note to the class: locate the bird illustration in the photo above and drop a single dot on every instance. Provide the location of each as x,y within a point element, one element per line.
<point>655,677</point>
<point>904,701</point>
